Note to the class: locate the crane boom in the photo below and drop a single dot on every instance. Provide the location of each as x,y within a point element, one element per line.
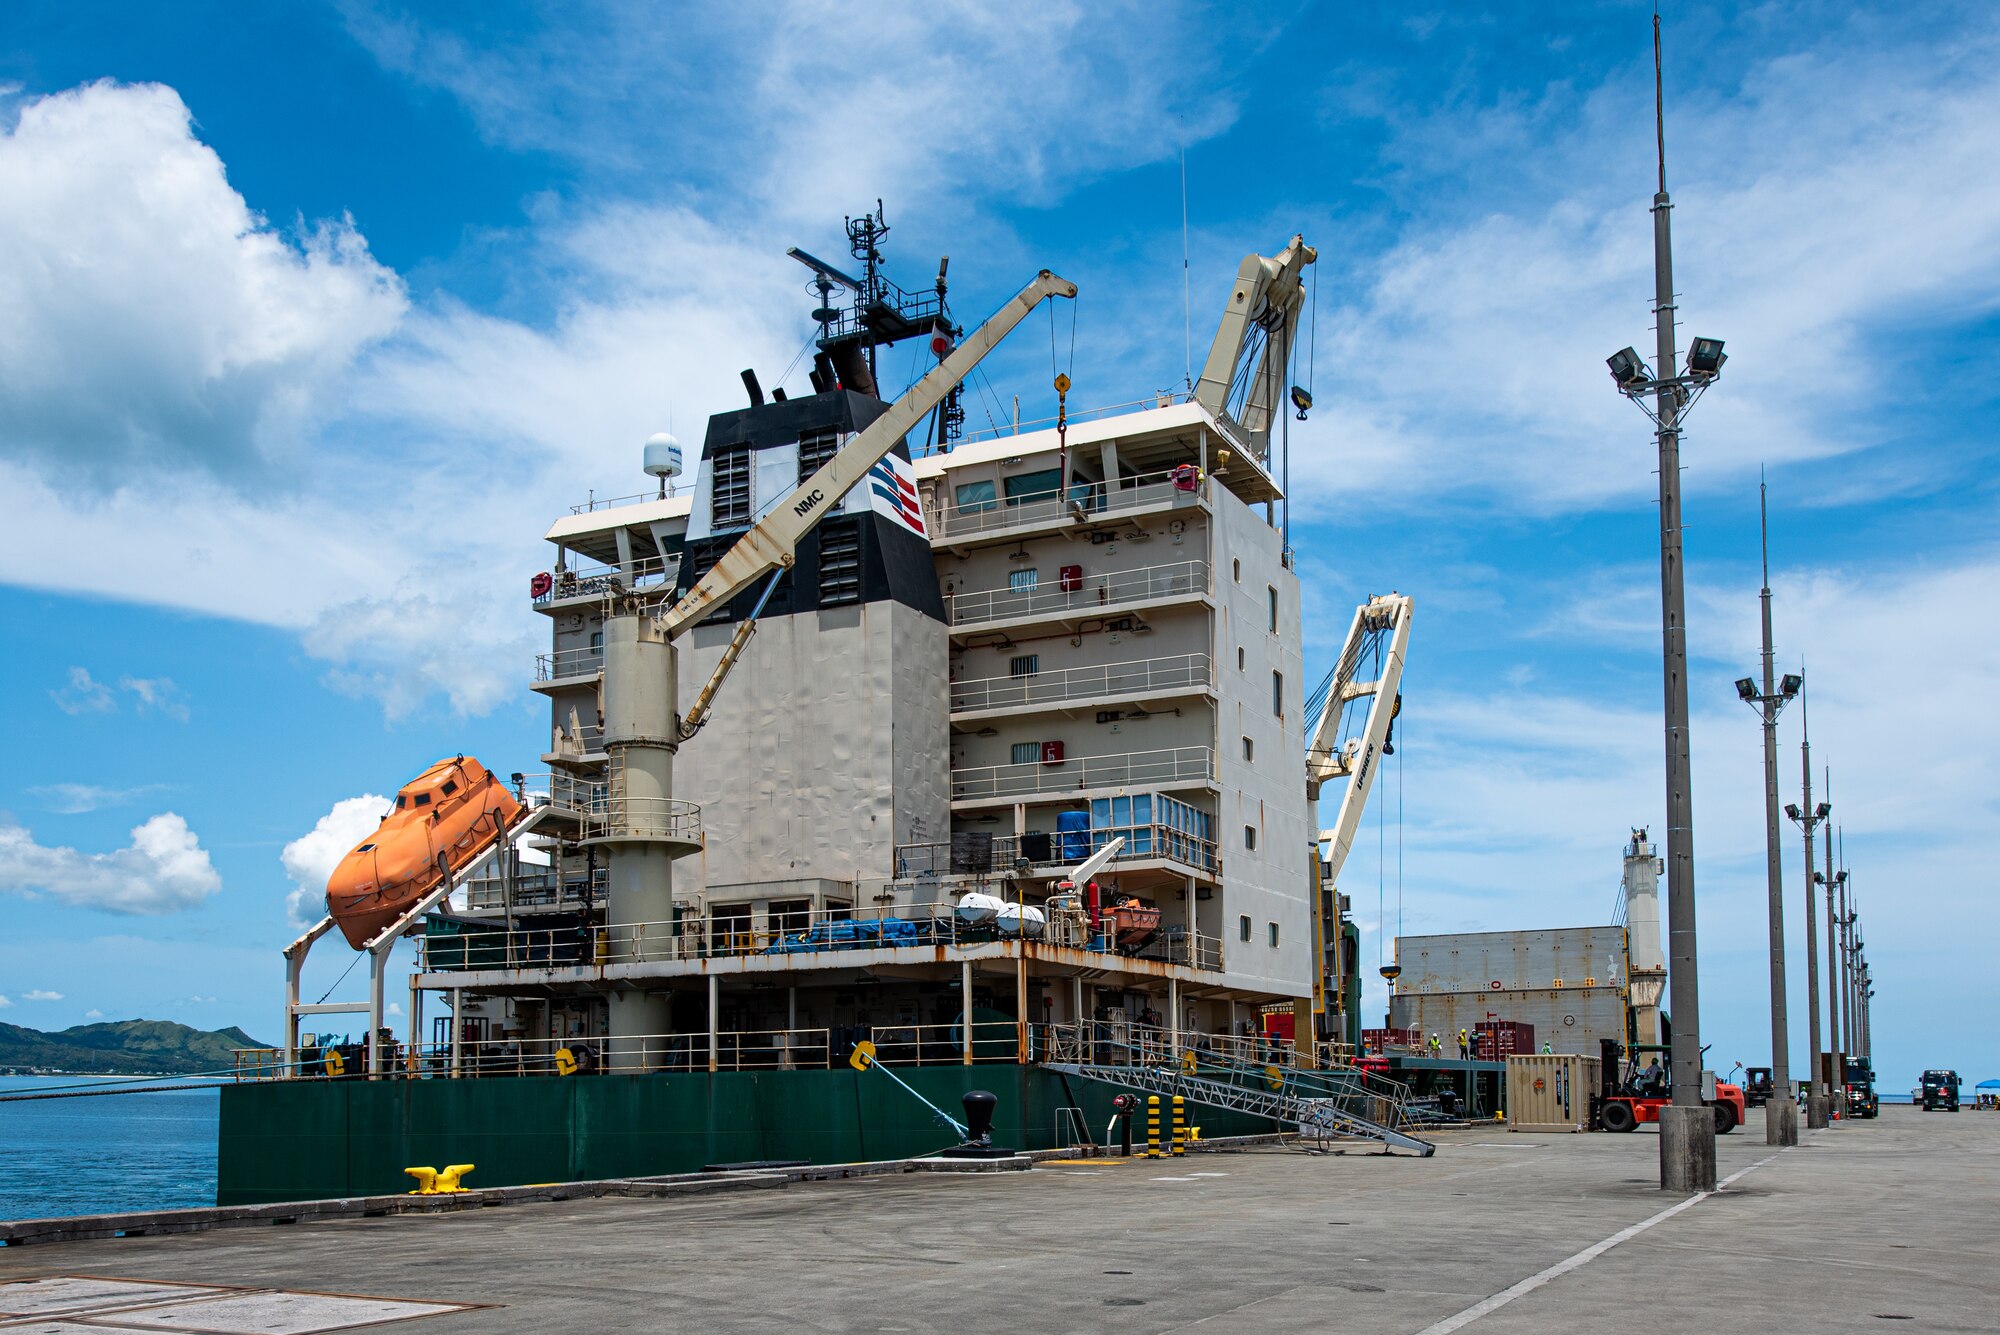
<point>771,543</point>
<point>1386,616</point>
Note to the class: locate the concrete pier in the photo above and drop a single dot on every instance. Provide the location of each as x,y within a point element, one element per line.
<point>1858,1226</point>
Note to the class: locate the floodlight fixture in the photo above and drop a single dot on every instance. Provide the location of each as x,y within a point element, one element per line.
<point>1627,371</point>
<point>1822,811</point>
<point>1792,810</point>
<point>1705,358</point>
<point>1792,684</point>
<point>1746,690</point>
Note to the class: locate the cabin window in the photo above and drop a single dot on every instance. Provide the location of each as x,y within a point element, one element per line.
<point>1274,607</point>
<point>975,496</point>
<point>1040,485</point>
<point>1278,694</point>
<point>365,848</point>
<point>1250,836</point>
<point>1239,658</point>
<point>450,786</point>
<point>1236,569</point>
<point>400,801</point>
<point>1023,581</point>
<point>423,799</point>
<point>1026,753</point>
<point>1249,750</point>
<point>1274,936</point>
<point>1243,928</point>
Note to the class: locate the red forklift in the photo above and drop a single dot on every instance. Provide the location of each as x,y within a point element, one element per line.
<point>1632,1094</point>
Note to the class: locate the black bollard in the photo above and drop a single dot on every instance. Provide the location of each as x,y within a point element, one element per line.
<point>979,1106</point>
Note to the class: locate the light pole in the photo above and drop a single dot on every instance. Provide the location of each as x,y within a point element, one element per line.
<point>1808,820</point>
<point>1687,1127</point>
<point>1781,1112</point>
<point>1836,1047</point>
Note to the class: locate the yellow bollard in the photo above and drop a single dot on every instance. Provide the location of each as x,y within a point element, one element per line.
<point>1180,1125</point>
<point>426,1181</point>
<point>448,1180</point>
<point>1152,1126</point>
<point>430,1182</point>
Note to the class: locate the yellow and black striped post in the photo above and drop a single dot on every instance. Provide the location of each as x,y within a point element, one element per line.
<point>1152,1126</point>
<point>1180,1125</point>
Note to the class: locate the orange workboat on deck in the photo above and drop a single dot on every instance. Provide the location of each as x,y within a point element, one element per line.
<point>443,819</point>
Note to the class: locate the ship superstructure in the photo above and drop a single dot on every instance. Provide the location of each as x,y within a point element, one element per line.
<point>988,663</point>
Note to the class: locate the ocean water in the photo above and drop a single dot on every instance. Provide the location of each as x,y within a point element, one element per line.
<point>104,1153</point>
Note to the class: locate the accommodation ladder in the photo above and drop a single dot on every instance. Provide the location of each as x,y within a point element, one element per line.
<point>1340,1101</point>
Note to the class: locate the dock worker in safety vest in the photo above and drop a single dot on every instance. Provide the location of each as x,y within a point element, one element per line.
<point>1437,1046</point>
<point>1546,1049</point>
<point>1464,1045</point>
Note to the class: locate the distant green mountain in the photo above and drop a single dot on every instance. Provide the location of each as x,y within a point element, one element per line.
<point>123,1047</point>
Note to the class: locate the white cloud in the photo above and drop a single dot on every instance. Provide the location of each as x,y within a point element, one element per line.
<point>5,1002</point>
<point>163,870</point>
<point>73,799</point>
<point>84,695</point>
<point>198,1001</point>
<point>93,1014</point>
<point>310,859</point>
<point>1047,95</point>
<point>157,694</point>
<point>153,318</point>
<point>1471,353</point>
<point>38,994</point>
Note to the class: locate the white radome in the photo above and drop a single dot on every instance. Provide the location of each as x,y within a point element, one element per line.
<point>663,455</point>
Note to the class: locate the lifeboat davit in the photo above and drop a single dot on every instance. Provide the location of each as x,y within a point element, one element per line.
<point>443,819</point>
<point>1134,923</point>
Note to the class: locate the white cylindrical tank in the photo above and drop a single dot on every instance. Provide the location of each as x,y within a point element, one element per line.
<point>976,910</point>
<point>1021,920</point>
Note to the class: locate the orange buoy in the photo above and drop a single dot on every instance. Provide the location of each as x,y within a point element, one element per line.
<point>443,819</point>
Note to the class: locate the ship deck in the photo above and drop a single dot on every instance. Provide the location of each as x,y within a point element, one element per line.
<point>1859,1224</point>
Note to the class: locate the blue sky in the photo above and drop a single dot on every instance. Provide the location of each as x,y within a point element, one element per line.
<point>318,313</point>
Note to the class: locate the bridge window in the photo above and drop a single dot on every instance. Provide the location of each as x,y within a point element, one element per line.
<point>973,497</point>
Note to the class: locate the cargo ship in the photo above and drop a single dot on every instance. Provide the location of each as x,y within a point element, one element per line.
<point>1007,768</point>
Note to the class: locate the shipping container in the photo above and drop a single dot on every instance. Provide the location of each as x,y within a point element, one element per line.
<point>1569,1019</point>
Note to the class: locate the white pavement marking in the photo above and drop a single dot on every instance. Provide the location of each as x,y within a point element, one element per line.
<point>1582,1258</point>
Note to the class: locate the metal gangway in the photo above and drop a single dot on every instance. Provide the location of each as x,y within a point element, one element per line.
<point>1220,1073</point>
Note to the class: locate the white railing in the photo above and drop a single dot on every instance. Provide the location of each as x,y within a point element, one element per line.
<point>1095,681</point>
<point>929,861</point>
<point>565,663</point>
<point>613,813</point>
<point>450,946</point>
<point>590,579</point>
<point>1183,764</point>
<point>586,740</point>
<point>1086,499</point>
<point>1092,594</point>
<point>1164,399</point>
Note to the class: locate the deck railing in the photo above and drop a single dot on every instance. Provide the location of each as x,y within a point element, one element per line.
<point>580,662</point>
<point>1135,769</point>
<point>1100,1043</point>
<point>1062,849</point>
<point>1086,500</point>
<point>590,579</point>
<point>1095,681</point>
<point>1091,594</point>
<point>452,946</point>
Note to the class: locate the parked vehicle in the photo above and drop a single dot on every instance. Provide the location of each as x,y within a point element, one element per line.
<point>1860,1091</point>
<point>1940,1090</point>
<point>1758,1086</point>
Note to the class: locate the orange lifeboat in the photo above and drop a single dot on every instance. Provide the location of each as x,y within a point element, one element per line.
<point>443,819</point>
<point>1134,923</point>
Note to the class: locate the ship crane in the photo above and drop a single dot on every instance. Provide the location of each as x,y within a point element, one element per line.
<point>1377,642</point>
<point>1258,325</point>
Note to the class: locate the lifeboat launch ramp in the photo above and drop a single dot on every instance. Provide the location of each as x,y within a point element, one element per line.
<point>1339,1101</point>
